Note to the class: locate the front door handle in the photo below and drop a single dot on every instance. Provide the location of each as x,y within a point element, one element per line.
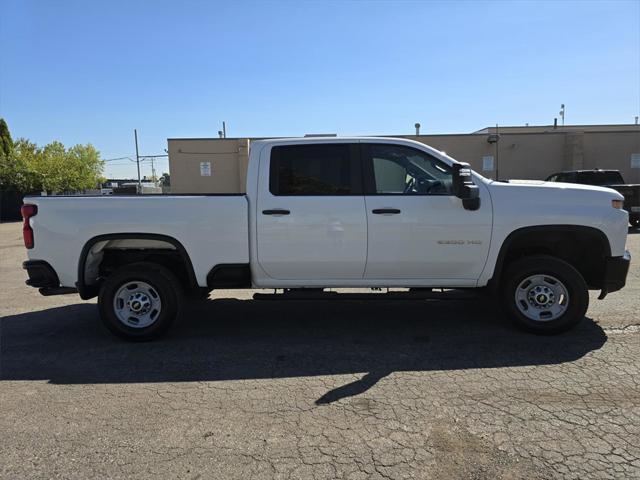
<point>276,211</point>
<point>386,211</point>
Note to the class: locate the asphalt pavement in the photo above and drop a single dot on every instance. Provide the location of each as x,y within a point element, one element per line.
<point>382,389</point>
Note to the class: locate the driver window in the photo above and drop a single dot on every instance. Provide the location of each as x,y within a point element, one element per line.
<point>405,171</point>
<point>391,177</point>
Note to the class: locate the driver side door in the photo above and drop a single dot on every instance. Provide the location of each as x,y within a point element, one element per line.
<point>417,228</point>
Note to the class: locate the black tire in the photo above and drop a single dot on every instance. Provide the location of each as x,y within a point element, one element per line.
<point>634,220</point>
<point>164,284</point>
<point>577,294</point>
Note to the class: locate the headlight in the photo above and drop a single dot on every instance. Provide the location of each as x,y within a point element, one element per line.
<point>617,204</point>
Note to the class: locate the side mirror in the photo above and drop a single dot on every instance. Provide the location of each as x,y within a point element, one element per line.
<point>464,188</point>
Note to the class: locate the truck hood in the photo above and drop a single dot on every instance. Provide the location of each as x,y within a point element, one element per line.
<point>559,186</point>
<point>541,191</point>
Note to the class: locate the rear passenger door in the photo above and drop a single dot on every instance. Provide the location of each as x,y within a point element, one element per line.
<point>311,220</point>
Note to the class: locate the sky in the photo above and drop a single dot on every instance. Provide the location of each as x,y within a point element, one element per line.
<point>91,72</point>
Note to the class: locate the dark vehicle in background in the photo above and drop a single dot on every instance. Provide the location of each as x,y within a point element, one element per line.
<point>606,178</point>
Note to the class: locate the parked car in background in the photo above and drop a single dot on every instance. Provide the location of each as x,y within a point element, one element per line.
<point>334,212</point>
<point>606,178</point>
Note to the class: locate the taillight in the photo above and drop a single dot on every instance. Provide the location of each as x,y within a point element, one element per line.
<point>28,211</point>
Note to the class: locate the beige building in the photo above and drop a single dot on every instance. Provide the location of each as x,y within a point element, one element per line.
<point>214,165</point>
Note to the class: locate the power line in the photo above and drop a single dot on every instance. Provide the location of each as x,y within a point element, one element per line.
<point>118,158</point>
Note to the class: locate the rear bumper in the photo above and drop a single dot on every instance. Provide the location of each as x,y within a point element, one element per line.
<point>43,277</point>
<point>615,273</point>
<point>41,274</point>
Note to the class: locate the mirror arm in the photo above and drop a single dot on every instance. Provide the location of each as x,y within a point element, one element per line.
<point>464,188</point>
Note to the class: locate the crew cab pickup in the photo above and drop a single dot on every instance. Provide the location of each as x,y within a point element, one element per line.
<point>334,212</point>
<point>606,178</point>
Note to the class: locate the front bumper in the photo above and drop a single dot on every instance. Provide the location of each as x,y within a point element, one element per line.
<point>615,273</point>
<point>43,277</point>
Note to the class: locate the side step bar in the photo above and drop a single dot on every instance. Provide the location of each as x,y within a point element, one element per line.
<point>411,294</point>
<point>49,291</point>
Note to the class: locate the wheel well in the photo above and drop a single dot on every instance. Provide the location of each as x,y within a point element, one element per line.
<point>585,248</point>
<point>103,255</point>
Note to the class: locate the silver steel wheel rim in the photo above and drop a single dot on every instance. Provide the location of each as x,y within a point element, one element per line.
<point>137,304</point>
<point>542,298</point>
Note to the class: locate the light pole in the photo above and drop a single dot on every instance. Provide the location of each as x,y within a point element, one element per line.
<point>135,134</point>
<point>492,139</point>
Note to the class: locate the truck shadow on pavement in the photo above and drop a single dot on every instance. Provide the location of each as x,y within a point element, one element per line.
<point>230,339</point>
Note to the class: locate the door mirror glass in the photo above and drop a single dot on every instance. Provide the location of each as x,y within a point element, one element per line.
<point>464,188</point>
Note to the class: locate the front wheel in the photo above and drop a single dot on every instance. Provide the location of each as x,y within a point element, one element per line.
<point>140,301</point>
<point>543,294</point>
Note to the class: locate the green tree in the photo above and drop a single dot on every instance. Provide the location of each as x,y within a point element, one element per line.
<point>165,180</point>
<point>10,170</point>
<point>6,144</point>
<point>52,168</point>
<point>67,170</point>
<point>24,169</point>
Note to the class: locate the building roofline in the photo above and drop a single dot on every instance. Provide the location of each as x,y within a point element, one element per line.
<point>558,127</point>
<point>522,130</point>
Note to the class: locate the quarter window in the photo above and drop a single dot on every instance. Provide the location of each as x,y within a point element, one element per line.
<point>317,169</point>
<point>399,170</point>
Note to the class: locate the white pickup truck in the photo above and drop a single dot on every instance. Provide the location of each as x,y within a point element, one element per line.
<point>334,212</point>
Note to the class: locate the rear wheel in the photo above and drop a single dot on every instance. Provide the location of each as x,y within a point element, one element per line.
<point>634,220</point>
<point>140,301</point>
<point>543,294</point>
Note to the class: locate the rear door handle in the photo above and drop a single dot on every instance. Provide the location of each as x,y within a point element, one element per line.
<point>277,211</point>
<point>386,211</point>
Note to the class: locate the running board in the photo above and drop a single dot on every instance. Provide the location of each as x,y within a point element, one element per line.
<point>48,291</point>
<point>411,294</point>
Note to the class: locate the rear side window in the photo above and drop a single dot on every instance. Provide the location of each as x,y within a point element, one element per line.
<point>315,169</point>
<point>566,177</point>
<point>600,178</point>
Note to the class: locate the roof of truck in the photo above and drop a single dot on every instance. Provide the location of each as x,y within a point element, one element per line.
<point>333,138</point>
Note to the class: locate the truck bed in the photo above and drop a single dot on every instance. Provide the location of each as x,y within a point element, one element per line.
<point>212,228</point>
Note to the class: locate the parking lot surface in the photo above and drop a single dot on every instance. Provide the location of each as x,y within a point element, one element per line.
<point>379,389</point>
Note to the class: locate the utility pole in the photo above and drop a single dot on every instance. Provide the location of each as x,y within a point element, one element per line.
<point>497,151</point>
<point>224,129</point>
<point>135,134</point>
<point>494,138</point>
<point>562,113</point>
<point>153,171</point>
